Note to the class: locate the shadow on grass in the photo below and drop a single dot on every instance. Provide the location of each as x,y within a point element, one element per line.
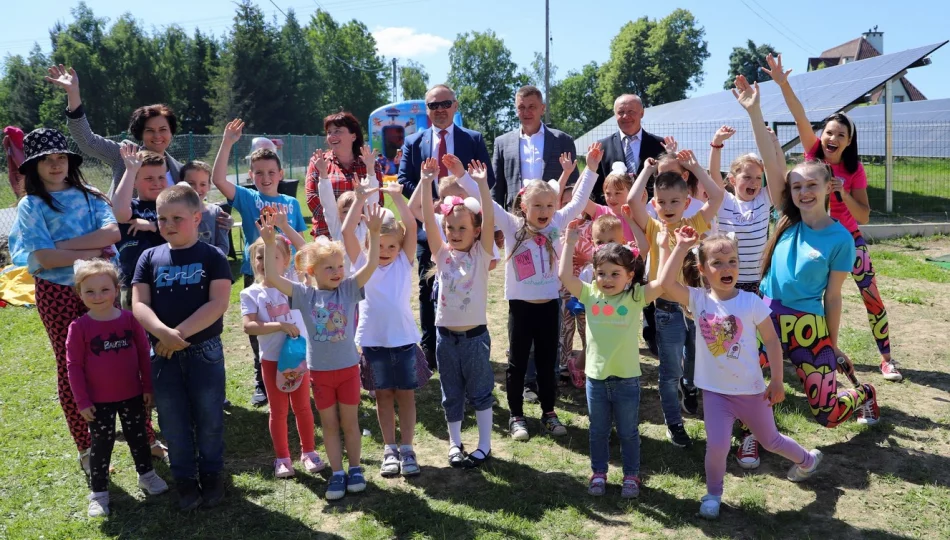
<point>938,380</point>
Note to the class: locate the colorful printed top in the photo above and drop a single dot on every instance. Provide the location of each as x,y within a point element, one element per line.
<point>249,203</point>
<point>329,317</point>
<point>269,305</point>
<point>462,278</point>
<point>613,348</point>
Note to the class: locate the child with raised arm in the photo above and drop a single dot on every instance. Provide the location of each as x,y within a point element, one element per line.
<point>215,228</point>
<point>671,196</point>
<point>328,311</point>
<point>463,346</point>
<point>612,303</point>
<point>727,366</point>
<point>335,210</point>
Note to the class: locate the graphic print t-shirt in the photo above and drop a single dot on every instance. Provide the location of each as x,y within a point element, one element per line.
<point>180,283</point>
<point>249,203</point>
<point>329,318</point>
<point>270,305</point>
<point>727,353</point>
<point>613,349</point>
<point>130,248</point>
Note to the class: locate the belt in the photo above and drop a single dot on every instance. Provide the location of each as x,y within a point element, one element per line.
<point>666,305</point>
<point>470,333</point>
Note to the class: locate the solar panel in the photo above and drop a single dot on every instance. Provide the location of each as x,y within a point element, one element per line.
<point>824,92</point>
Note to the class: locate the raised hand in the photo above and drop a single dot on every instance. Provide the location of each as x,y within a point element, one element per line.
<point>392,188</point>
<point>478,171</point>
<point>430,169</point>
<point>454,165</point>
<point>775,70</point>
<point>280,217</point>
<point>723,134</point>
<point>233,131</point>
<point>650,165</point>
<point>747,94</point>
<point>568,164</point>
<point>595,153</point>
<point>374,219</point>
<point>368,156</point>
<point>265,226</point>
<point>669,144</point>
<point>130,157</point>
<point>363,191</point>
<point>687,159</point>
<point>686,236</point>
<point>320,163</point>
<point>573,229</point>
<point>68,80</point>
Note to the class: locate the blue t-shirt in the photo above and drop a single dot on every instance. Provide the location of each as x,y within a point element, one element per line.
<point>249,203</point>
<point>131,247</point>
<point>41,227</point>
<point>801,263</point>
<point>180,283</point>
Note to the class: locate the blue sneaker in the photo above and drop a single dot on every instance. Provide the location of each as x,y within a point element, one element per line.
<point>356,482</point>
<point>337,488</point>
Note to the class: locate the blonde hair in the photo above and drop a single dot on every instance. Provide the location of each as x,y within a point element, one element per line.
<point>345,198</point>
<point>745,159</point>
<point>620,180</point>
<point>534,188</point>
<point>447,182</point>
<point>150,159</point>
<point>283,245</point>
<point>84,270</point>
<point>310,255</point>
<point>605,223</point>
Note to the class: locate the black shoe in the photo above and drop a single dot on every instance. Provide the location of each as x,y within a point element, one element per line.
<point>259,397</point>
<point>189,497</point>
<point>457,458</point>
<point>475,459</point>
<point>678,436</point>
<point>212,489</point>
<point>689,397</point>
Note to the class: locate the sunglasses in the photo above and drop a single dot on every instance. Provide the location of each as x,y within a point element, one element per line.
<point>436,105</point>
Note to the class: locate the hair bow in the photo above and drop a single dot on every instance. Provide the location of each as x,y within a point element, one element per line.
<point>618,167</point>
<point>449,204</point>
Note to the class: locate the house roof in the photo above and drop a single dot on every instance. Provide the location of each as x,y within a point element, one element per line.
<point>912,92</point>
<point>860,49</point>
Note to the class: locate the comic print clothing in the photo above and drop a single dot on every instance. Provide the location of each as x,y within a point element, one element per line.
<point>462,278</point>
<point>864,278</point>
<point>329,316</point>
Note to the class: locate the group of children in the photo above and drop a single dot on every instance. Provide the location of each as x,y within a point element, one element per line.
<point>323,312</point>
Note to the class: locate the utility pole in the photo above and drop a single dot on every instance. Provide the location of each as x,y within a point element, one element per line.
<point>547,58</point>
<point>394,80</point>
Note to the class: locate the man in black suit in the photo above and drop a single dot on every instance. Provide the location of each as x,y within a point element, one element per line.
<point>530,152</point>
<point>629,144</point>
<point>440,138</point>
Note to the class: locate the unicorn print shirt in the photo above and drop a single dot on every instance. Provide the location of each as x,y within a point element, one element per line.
<point>329,316</point>
<point>727,354</point>
<point>462,278</point>
<point>613,324</point>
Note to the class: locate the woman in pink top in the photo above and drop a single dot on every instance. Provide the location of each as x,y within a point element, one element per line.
<point>838,147</point>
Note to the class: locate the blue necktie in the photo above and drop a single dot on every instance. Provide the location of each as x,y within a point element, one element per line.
<point>628,156</point>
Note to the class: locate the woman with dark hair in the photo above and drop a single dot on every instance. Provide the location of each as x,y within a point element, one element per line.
<point>153,125</point>
<point>838,147</point>
<point>346,164</point>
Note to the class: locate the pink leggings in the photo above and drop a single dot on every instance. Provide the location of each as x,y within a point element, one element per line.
<point>720,411</point>
<point>279,403</point>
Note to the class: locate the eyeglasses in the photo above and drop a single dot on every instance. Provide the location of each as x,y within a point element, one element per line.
<point>436,105</point>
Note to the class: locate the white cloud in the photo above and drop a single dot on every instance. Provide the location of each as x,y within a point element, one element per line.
<point>404,42</point>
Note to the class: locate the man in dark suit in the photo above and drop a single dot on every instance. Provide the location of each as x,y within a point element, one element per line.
<point>530,152</point>
<point>629,144</point>
<point>440,138</point>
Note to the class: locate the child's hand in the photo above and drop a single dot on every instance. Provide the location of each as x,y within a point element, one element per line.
<point>137,225</point>
<point>669,144</point>
<point>148,400</point>
<point>747,94</point>
<point>392,189</point>
<point>280,217</point>
<point>89,413</point>
<point>233,131</point>
<point>775,393</point>
<point>663,237</point>
<point>627,212</point>
<point>374,219</point>
<point>224,221</point>
<point>319,161</point>
<point>568,164</point>
<point>290,329</point>
<point>368,156</point>
<point>687,159</point>
<point>478,171</point>
<point>130,156</point>
<point>169,342</point>
<point>595,153</point>
<point>650,166</point>
<point>265,225</point>
<point>68,80</point>
<point>430,169</point>
<point>363,191</point>
<point>723,134</point>
<point>454,165</point>
<point>778,74</point>
<point>686,235</point>
<point>573,229</point>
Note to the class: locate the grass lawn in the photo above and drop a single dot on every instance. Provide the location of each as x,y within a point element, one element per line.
<point>887,481</point>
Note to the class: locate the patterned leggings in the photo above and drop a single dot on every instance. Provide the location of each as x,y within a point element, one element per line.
<point>807,343</point>
<point>864,278</point>
<point>58,306</point>
<point>570,322</point>
<point>132,413</point>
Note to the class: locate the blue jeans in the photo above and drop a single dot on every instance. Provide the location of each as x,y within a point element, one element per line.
<point>393,368</point>
<point>670,337</point>
<point>614,399</point>
<point>189,393</point>
<point>464,370</point>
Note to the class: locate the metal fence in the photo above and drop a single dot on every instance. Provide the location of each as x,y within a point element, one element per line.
<point>920,180</point>
<point>295,154</point>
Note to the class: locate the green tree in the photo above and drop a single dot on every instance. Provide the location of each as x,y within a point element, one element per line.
<point>485,79</point>
<point>22,89</point>
<point>304,90</point>
<point>747,61</point>
<point>535,72</point>
<point>202,60</point>
<point>413,80</point>
<point>575,106</point>
<point>659,60</point>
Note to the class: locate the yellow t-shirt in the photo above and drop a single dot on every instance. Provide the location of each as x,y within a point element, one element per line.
<point>654,226</point>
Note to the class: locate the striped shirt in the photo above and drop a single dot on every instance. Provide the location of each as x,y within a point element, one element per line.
<point>749,220</point>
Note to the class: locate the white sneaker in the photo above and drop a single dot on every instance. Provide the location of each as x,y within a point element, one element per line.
<point>152,483</point>
<point>98,504</point>
<point>799,474</point>
<point>709,507</point>
<point>748,454</point>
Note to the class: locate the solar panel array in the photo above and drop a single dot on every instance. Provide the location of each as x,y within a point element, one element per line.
<point>824,92</point>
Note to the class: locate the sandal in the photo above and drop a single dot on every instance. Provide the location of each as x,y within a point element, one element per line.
<point>473,462</point>
<point>577,374</point>
<point>457,455</point>
<point>160,451</point>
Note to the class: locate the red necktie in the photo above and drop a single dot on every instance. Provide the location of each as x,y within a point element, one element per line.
<point>443,172</point>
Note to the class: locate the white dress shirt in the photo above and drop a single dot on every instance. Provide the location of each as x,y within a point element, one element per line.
<point>532,155</point>
<point>449,140</point>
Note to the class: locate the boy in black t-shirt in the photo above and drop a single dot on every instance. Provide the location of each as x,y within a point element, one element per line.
<point>145,171</point>
<point>180,292</point>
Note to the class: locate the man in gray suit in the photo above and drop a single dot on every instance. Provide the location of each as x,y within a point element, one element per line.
<point>530,152</point>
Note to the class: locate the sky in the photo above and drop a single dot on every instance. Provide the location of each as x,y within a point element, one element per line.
<point>423,30</point>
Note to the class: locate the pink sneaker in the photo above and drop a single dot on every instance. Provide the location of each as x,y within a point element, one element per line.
<point>869,413</point>
<point>312,462</point>
<point>889,370</point>
<point>283,468</point>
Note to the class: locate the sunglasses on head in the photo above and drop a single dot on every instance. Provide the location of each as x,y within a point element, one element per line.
<point>436,105</point>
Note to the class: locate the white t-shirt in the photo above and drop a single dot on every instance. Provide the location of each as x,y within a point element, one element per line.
<point>495,255</point>
<point>270,305</point>
<point>727,352</point>
<point>386,310</point>
<point>749,221</point>
<point>462,278</point>
<point>695,205</point>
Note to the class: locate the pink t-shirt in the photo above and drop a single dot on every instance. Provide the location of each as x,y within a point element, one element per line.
<point>856,180</point>
<point>627,231</point>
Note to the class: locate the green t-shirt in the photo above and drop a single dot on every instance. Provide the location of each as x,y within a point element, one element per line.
<point>613,322</point>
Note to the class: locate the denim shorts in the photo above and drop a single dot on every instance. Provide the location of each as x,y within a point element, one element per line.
<point>393,368</point>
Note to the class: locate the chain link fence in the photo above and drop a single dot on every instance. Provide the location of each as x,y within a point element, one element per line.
<point>920,182</point>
